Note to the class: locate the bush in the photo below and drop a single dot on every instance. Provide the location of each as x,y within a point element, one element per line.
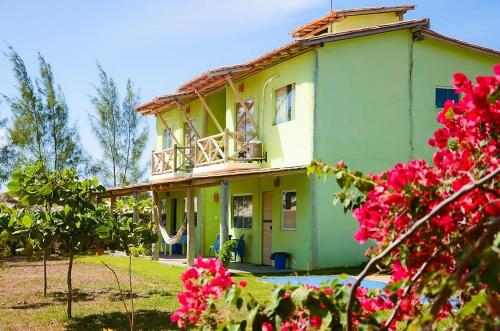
<point>225,252</point>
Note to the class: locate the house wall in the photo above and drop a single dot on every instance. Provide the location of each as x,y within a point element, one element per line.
<point>361,21</point>
<point>362,118</point>
<point>289,143</point>
<point>434,64</point>
<point>296,242</point>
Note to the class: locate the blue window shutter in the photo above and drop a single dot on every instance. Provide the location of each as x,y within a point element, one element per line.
<point>443,94</point>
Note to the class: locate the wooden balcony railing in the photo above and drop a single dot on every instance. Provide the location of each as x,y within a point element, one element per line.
<point>219,148</point>
<point>216,149</point>
<point>163,161</point>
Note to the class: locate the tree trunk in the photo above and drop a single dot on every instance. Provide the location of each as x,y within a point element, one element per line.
<point>44,272</point>
<point>70,293</point>
<point>131,294</point>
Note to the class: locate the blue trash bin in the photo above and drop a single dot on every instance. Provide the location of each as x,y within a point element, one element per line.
<point>279,259</point>
<point>176,249</point>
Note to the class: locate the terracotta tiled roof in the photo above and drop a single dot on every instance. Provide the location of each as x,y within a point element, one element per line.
<point>366,31</point>
<point>214,79</point>
<point>335,15</point>
<point>203,180</point>
<point>432,34</point>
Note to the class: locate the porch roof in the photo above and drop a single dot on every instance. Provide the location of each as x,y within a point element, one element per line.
<point>201,180</point>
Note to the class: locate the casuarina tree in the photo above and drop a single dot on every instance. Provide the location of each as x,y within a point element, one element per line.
<point>41,131</point>
<point>119,130</point>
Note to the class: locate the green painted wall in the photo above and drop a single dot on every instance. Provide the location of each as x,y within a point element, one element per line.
<point>357,22</point>
<point>296,242</point>
<point>362,118</point>
<point>434,64</point>
<point>283,141</point>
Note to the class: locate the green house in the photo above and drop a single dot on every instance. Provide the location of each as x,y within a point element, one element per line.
<point>232,144</point>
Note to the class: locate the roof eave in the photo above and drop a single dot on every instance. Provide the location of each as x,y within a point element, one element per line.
<point>424,23</point>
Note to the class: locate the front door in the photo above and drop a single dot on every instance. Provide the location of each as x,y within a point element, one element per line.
<point>267,227</point>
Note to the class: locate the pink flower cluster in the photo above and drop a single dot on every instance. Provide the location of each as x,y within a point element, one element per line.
<point>205,281</point>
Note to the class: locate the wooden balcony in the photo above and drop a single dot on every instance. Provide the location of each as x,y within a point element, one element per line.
<point>220,149</point>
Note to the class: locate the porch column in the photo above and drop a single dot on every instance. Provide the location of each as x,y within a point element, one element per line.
<point>156,220</point>
<point>224,211</point>
<point>190,227</point>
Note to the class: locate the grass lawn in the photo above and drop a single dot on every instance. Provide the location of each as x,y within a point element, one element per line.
<point>97,302</point>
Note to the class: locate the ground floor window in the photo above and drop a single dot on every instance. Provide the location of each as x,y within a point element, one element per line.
<point>242,211</point>
<point>289,210</point>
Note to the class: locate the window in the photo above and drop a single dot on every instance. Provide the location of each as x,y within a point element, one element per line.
<point>163,215</point>
<point>243,122</point>
<point>443,94</point>
<point>167,139</point>
<point>285,100</point>
<point>289,210</point>
<point>242,211</point>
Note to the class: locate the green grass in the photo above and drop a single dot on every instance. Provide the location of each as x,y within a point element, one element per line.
<point>97,302</point>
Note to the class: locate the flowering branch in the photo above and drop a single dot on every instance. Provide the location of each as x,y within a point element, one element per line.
<point>396,243</point>
<point>447,291</point>
<point>415,277</point>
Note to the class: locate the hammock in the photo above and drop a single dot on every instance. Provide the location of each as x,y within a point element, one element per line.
<point>175,238</point>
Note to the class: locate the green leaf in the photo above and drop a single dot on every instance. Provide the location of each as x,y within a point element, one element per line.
<point>103,231</point>
<point>45,190</point>
<point>27,221</point>
<point>299,296</point>
<point>14,186</point>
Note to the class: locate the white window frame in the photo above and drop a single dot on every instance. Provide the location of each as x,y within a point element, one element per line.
<point>283,210</point>
<point>275,110</point>
<point>232,209</point>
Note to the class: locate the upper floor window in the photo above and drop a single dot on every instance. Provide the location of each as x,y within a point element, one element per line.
<point>243,122</point>
<point>285,103</point>
<point>242,211</point>
<point>167,139</point>
<point>289,210</point>
<point>443,94</point>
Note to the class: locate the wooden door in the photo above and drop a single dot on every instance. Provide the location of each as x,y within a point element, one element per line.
<point>267,227</point>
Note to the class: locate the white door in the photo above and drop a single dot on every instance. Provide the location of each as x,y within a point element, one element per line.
<point>267,227</point>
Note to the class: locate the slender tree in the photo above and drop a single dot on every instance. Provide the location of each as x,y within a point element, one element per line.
<point>118,129</point>
<point>5,152</point>
<point>135,138</point>
<point>28,132</point>
<point>63,138</point>
<point>41,131</point>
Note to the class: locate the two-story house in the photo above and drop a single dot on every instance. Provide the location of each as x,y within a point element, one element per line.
<point>232,144</point>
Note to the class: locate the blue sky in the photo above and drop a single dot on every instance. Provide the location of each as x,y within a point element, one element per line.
<point>162,43</point>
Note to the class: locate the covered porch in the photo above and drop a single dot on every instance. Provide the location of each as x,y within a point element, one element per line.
<point>203,201</point>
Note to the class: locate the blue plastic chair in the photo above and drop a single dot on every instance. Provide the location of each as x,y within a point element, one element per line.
<point>240,248</point>
<point>215,246</point>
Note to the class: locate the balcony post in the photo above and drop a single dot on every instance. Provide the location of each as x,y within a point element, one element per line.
<point>190,227</point>
<point>175,158</point>
<point>224,212</point>
<point>226,145</point>
<point>156,220</point>
<point>152,162</point>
